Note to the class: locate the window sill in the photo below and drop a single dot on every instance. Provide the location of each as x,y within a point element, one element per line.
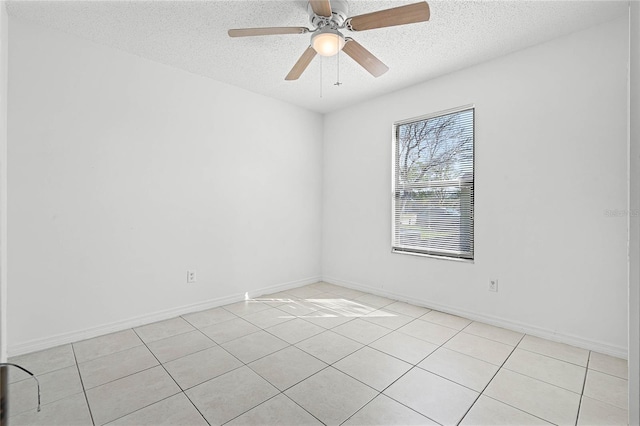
<point>433,256</point>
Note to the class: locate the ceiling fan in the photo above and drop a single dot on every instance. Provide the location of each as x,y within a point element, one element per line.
<point>328,17</point>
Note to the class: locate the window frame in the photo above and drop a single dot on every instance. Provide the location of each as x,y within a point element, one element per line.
<point>394,152</point>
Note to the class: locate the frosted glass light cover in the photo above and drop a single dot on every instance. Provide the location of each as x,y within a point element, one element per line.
<point>327,43</point>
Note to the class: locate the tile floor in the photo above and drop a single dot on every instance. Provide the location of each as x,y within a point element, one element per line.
<point>319,354</point>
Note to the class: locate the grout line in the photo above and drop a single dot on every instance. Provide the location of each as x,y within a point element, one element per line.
<point>84,391</point>
<point>111,353</point>
<point>519,409</point>
<point>142,408</point>
<point>174,380</point>
<point>298,300</point>
<point>255,406</point>
<point>235,317</point>
<point>490,380</point>
<point>554,358</point>
<point>292,400</point>
<point>41,374</point>
<point>584,383</point>
<point>413,366</point>
<point>361,408</point>
<point>393,400</point>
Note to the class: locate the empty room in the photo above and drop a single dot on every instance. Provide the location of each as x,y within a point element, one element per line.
<point>358,212</point>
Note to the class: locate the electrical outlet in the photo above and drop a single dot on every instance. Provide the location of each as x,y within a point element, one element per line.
<point>493,284</point>
<point>191,276</point>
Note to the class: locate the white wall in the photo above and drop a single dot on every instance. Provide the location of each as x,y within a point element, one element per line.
<point>4,44</point>
<point>124,173</point>
<point>551,157</point>
<point>634,219</point>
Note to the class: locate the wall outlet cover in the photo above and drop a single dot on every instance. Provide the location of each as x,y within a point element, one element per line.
<point>493,285</point>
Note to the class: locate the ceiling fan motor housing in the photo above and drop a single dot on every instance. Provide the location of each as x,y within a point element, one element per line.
<point>339,14</point>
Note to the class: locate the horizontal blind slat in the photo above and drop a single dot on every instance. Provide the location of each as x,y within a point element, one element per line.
<point>434,185</point>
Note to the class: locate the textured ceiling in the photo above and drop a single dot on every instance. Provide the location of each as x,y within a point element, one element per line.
<point>192,35</point>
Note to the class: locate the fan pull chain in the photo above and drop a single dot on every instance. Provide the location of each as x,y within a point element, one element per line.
<point>321,76</point>
<point>337,83</point>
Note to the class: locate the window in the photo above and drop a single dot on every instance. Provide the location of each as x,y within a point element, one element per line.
<point>433,185</point>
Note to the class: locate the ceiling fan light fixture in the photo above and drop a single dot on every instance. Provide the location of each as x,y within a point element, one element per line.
<point>327,41</point>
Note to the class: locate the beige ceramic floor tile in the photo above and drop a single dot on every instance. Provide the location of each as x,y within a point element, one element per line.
<point>346,307</point>
<point>163,329</point>
<point>299,309</point>
<point>491,332</point>
<point>347,293</point>
<point>304,291</point>
<point>329,346</point>
<point>230,395</point>
<point>111,367</point>
<point>489,412</point>
<point>606,388</point>
<point>609,365</point>
<point>326,318</point>
<point>287,367</point>
<point>326,287</point>
<point>462,369</point>
<point>479,347</point>
<point>540,381</point>
<point>181,345</point>
<point>201,366</point>
<point>407,309</point>
<point>428,331</point>
<point>551,403</point>
<point>547,369</point>
<point>556,350</point>
<point>388,319</point>
<point>70,411</point>
<point>318,300</point>
<point>373,367</point>
<point>277,411</point>
<point>331,396</point>
<point>447,320</point>
<point>254,346</point>
<point>175,410</point>
<point>404,347</point>
<point>55,385</point>
<point>209,317</point>
<point>124,396</point>
<point>42,362</point>
<point>437,398</point>
<point>268,317</point>
<point>246,307</point>
<point>361,331</point>
<point>229,330</point>
<point>374,301</point>
<point>597,413</point>
<point>295,330</point>
<point>384,411</point>
<point>87,350</point>
<point>275,299</point>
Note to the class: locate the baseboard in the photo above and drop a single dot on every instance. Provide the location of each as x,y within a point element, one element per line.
<point>568,339</point>
<point>76,336</point>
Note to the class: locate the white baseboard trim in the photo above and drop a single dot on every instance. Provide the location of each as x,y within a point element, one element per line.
<point>569,339</point>
<point>76,336</point>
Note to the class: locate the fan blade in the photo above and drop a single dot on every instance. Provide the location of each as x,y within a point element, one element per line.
<point>247,32</point>
<point>302,64</point>
<point>409,14</point>
<point>365,58</point>
<point>321,7</point>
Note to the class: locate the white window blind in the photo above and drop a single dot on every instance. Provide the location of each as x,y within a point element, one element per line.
<point>433,184</point>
